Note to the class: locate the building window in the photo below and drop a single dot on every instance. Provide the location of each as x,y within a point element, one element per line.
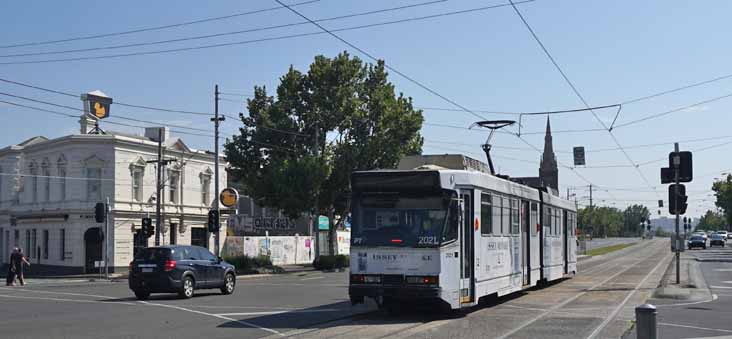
<point>174,183</point>
<point>2,178</point>
<point>45,244</point>
<point>486,219</point>
<point>62,244</point>
<point>46,183</point>
<point>28,243</point>
<point>34,244</point>
<point>94,184</point>
<point>205,189</point>
<point>33,182</point>
<point>61,164</point>
<point>137,184</point>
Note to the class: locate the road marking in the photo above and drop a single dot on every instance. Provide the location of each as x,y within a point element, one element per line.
<point>696,327</point>
<point>278,312</point>
<point>313,278</point>
<point>727,282</point>
<point>723,269</point>
<point>620,306</point>
<point>714,297</point>
<point>59,293</point>
<point>60,299</point>
<point>242,322</point>
<point>567,301</point>
<point>724,287</point>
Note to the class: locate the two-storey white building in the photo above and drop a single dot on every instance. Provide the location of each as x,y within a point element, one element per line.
<point>48,189</point>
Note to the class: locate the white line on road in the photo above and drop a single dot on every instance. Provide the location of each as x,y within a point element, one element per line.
<point>277,312</point>
<point>714,297</point>
<point>723,287</point>
<point>242,322</point>
<point>617,309</point>
<point>59,293</point>
<point>569,300</point>
<point>313,278</point>
<point>723,269</point>
<point>696,327</point>
<point>60,299</point>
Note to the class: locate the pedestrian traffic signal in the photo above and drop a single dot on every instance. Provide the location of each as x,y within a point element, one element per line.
<point>213,221</point>
<point>685,167</point>
<point>147,227</point>
<point>677,200</point>
<point>100,212</point>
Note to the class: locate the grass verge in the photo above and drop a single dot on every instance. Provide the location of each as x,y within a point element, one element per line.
<point>608,249</point>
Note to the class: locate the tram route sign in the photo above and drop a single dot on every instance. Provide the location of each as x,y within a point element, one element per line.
<point>579,156</point>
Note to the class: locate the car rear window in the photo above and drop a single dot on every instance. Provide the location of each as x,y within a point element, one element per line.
<point>153,254</point>
<point>696,238</point>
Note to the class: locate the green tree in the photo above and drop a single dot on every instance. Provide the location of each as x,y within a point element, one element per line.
<point>606,221</point>
<point>723,191</point>
<point>711,221</point>
<point>634,216</point>
<point>341,116</point>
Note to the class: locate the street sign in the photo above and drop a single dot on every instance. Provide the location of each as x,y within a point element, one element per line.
<point>97,104</point>
<point>579,156</point>
<point>99,263</point>
<point>229,197</point>
<point>323,223</point>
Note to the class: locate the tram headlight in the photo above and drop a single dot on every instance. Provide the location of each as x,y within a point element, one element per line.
<point>423,280</point>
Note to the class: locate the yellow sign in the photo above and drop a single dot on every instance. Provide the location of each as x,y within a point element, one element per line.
<point>99,110</point>
<point>229,197</point>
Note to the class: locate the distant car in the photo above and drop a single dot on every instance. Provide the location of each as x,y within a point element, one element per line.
<point>717,239</point>
<point>701,234</point>
<point>697,241</point>
<point>724,234</point>
<point>179,269</point>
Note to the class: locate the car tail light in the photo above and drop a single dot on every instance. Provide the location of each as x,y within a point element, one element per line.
<point>423,280</point>
<point>358,278</point>
<point>169,265</point>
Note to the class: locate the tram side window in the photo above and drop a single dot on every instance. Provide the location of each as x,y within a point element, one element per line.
<point>486,217</point>
<point>558,222</point>
<point>514,217</point>
<point>496,207</point>
<point>534,218</point>
<point>505,216</point>
<point>547,222</point>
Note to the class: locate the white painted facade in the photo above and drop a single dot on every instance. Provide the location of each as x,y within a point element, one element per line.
<point>48,189</point>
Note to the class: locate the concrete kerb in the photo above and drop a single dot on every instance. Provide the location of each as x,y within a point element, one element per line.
<point>693,287</point>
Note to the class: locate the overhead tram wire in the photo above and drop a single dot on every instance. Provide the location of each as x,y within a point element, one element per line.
<point>578,94</point>
<point>106,122</point>
<point>149,29</point>
<point>115,117</point>
<point>115,102</point>
<point>216,35</point>
<point>282,37</point>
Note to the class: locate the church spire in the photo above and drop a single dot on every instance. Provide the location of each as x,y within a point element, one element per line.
<point>548,170</point>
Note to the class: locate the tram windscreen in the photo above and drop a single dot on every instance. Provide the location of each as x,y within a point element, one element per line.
<point>399,220</point>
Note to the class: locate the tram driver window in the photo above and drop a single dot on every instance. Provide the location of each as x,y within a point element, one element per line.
<point>486,218</point>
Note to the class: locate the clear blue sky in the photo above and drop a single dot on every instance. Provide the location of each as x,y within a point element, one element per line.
<point>613,51</point>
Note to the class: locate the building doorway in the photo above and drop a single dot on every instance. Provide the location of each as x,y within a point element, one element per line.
<point>93,248</point>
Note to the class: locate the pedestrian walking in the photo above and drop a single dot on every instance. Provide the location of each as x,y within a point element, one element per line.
<point>12,270</point>
<point>18,261</point>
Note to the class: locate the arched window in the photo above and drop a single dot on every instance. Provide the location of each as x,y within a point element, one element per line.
<point>137,172</point>
<point>205,177</point>
<point>174,184</point>
<point>93,168</point>
<point>61,168</point>
<point>46,177</point>
<point>33,178</point>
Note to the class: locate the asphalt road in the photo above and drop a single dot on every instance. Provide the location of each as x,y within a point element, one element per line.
<point>604,242</point>
<point>707,318</point>
<point>315,305</point>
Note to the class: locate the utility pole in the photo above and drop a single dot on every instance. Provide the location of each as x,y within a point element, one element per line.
<point>316,219</point>
<point>158,216</point>
<point>676,163</point>
<point>589,222</point>
<point>106,240</point>
<point>216,120</point>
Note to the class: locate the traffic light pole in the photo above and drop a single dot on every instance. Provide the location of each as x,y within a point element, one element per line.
<point>106,240</point>
<point>677,161</point>
<point>216,120</point>
<point>158,216</point>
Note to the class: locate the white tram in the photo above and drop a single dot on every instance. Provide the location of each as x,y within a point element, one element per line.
<point>454,236</point>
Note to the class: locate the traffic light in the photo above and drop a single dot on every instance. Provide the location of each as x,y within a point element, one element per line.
<point>147,227</point>
<point>677,203</point>
<point>100,212</point>
<point>213,221</point>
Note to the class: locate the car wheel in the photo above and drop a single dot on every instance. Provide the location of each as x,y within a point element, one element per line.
<point>142,294</point>
<point>229,284</point>
<point>186,291</point>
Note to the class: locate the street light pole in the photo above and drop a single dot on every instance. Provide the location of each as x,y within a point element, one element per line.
<point>216,120</point>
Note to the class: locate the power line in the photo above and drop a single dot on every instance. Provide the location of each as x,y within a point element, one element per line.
<point>115,117</point>
<point>658,115</point>
<point>148,29</point>
<point>208,36</point>
<point>577,93</point>
<point>282,37</point>
<point>106,122</point>
<point>116,102</point>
